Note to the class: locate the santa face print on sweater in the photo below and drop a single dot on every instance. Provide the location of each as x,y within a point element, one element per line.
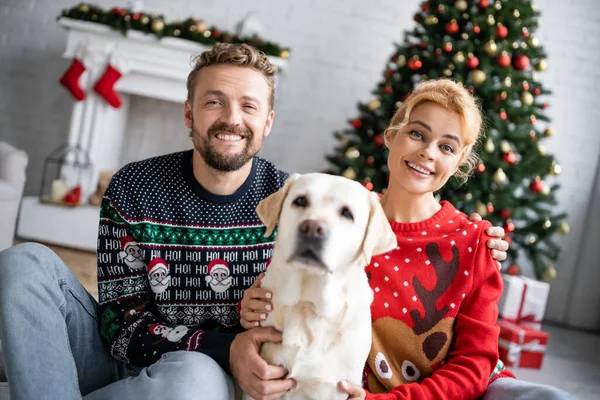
<point>171,334</point>
<point>219,276</point>
<point>158,275</point>
<point>132,255</point>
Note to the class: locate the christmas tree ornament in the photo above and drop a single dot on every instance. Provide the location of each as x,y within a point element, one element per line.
<point>158,25</point>
<point>547,223</point>
<point>145,20</point>
<point>498,5</point>
<point>491,20</point>
<point>555,169</point>
<point>508,81</point>
<point>448,72</point>
<point>527,98</point>
<point>483,3</point>
<point>370,132</point>
<point>476,29</point>
<point>70,78</point>
<point>401,61</point>
<point>424,6</point>
<point>505,213</point>
<point>537,91</point>
<point>505,146</point>
<point>549,273</point>
<point>441,8</point>
<point>489,145</point>
<point>509,226</point>
<point>464,36</point>
<point>199,27</point>
<point>472,61</point>
<point>542,149</point>
<point>448,47</point>
<point>414,63</point>
<point>536,185</point>
<point>503,114</point>
<point>564,228</point>
<point>468,196</point>
<point>490,48</point>
<point>503,95</point>
<point>374,105</point>
<point>525,85</point>
<point>545,189</point>
<point>459,57</point>
<point>516,13</point>
<point>73,196</point>
<point>478,76</point>
<point>352,153</point>
<point>499,176</point>
<point>520,62</point>
<point>285,54</point>
<point>349,173</point>
<point>357,123</point>
<point>531,238</point>
<point>510,157</point>
<point>515,45</point>
<point>431,19</point>
<point>532,119</point>
<point>105,86</point>
<point>461,5</point>
<point>481,167</point>
<point>379,140</point>
<point>541,65</point>
<point>504,61</point>
<point>83,7</point>
<point>388,89</point>
<point>452,27</point>
<point>490,208</point>
<point>481,209</point>
<point>501,31</point>
<point>370,161</point>
<point>513,270</point>
<point>368,185</point>
<point>534,42</point>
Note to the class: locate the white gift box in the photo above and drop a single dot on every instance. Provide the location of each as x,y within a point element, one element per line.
<point>523,300</point>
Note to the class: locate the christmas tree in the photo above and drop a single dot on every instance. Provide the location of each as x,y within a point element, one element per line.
<point>491,48</point>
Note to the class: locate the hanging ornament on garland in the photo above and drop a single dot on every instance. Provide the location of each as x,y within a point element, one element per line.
<point>349,173</point>
<point>564,228</point>
<point>158,25</point>
<point>513,270</point>
<point>499,176</point>
<point>537,185</point>
<point>549,273</point>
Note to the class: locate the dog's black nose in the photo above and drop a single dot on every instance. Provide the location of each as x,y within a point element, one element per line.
<point>313,229</point>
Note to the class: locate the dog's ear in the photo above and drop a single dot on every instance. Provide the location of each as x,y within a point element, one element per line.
<point>379,238</point>
<point>268,209</point>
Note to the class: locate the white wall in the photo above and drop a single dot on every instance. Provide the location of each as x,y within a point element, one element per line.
<point>339,48</point>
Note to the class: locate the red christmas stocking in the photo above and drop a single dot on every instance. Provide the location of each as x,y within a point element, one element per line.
<point>105,86</point>
<point>70,79</point>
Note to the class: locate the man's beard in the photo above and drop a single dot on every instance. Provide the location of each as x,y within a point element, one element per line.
<point>216,160</point>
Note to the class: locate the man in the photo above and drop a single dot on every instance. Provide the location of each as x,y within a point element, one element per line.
<point>170,324</point>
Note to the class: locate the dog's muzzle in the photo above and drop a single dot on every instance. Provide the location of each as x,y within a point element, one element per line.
<point>312,235</point>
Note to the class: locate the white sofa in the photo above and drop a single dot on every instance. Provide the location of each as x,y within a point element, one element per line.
<point>13,163</point>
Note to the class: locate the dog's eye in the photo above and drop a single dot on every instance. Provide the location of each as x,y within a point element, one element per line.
<point>346,213</point>
<point>301,201</point>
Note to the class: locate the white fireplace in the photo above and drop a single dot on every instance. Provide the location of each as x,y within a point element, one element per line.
<point>156,69</point>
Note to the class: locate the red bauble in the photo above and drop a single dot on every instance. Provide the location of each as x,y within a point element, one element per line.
<point>483,4</point>
<point>476,29</point>
<point>452,27</point>
<point>545,105</point>
<point>537,185</point>
<point>504,60</point>
<point>513,269</point>
<point>357,123</point>
<point>370,161</point>
<point>472,62</point>
<point>379,140</point>
<point>532,119</point>
<point>525,32</point>
<point>537,91</point>
<point>448,47</point>
<point>509,227</point>
<point>490,208</point>
<point>135,16</point>
<point>481,168</point>
<point>368,185</point>
<point>387,89</point>
<point>505,213</point>
<point>525,85</point>
<point>501,31</point>
<point>424,6</point>
<point>74,195</point>
<point>510,157</point>
<point>216,33</point>
<point>414,64</point>
<point>520,62</point>
<point>503,115</point>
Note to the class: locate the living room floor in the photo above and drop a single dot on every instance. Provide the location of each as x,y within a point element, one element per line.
<point>572,360</point>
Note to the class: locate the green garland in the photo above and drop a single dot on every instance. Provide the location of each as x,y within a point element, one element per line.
<point>123,20</point>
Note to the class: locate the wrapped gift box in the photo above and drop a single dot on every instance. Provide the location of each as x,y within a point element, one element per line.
<point>521,346</point>
<point>523,300</point>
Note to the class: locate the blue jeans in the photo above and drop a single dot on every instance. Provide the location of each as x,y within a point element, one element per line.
<point>53,349</point>
<point>513,389</point>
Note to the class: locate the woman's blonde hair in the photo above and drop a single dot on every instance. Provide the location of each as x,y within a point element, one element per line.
<point>454,97</point>
<point>241,55</point>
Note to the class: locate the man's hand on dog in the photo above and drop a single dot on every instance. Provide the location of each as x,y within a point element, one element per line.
<point>257,378</point>
<point>498,246</point>
<point>256,304</point>
<point>354,392</point>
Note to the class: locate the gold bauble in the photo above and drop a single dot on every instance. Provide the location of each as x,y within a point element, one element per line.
<point>508,81</point>
<point>498,5</point>
<point>549,274</point>
<point>516,13</point>
<point>564,228</point>
<point>531,238</point>
<point>541,65</point>
<point>285,54</point>
<point>515,45</point>
<point>505,146</point>
<point>534,42</point>
<point>527,98</point>
<point>489,145</point>
<point>352,153</point>
<point>448,72</point>
<point>555,169</point>
<point>349,173</point>
<point>491,20</point>
<point>478,76</point>
<point>549,132</point>
<point>464,36</point>
<point>374,105</point>
<point>431,19</point>
<point>401,61</point>
<point>499,176</point>
<point>83,7</point>
<point>542,149</point>
<point>468,196</point>
<point>461,5</point>
<point>459,57</point>
<point>547,223</point>
<point>481,209</point>
<point>491,48</point>
<point>144,20</point>
<point>158,25</point>
<point>545,189</point>
<point>200,27</point>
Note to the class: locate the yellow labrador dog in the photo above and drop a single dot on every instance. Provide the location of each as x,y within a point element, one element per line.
<point>328,229</point>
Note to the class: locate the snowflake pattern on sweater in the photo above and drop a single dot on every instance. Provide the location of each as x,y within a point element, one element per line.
<point>434,311</point>
<point>175,259</point>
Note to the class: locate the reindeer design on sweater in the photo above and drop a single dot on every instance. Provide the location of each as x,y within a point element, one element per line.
<point>403,354</point>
